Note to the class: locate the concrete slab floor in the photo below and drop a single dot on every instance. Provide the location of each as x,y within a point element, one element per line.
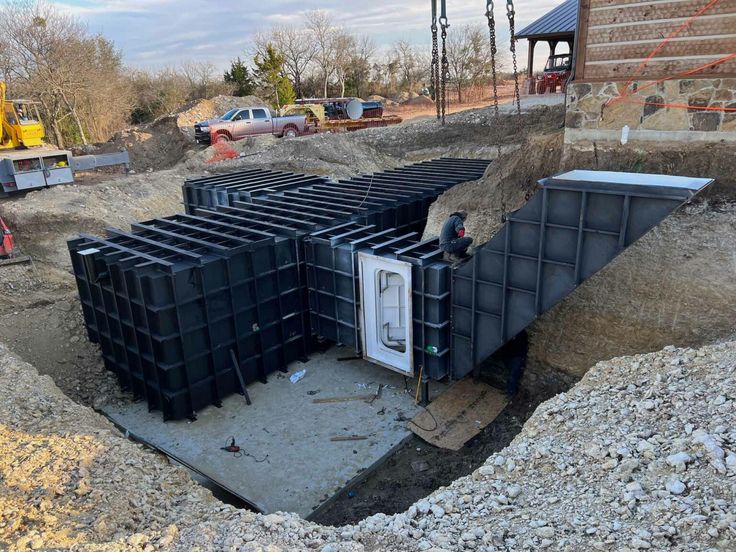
<point>289,462</point>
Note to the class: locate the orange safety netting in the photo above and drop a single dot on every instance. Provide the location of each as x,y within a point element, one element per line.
<point>223,151</point>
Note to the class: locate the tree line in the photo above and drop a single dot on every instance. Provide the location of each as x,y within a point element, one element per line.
<point>85,93</point>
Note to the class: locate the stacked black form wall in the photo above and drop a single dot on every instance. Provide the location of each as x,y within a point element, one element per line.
<point>332,278</point>
<point>171,301</point>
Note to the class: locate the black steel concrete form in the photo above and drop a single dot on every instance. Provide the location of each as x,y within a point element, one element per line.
<point>224,189</point>
<point>575,225</point>
<point>332,277</point>
<point>178,303</point>
<point>175,302</point>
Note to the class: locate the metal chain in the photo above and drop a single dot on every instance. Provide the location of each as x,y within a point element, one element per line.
<point>445,69</point>
<point>435,69</point>
<point>494,78</point>
<point>510,13</point>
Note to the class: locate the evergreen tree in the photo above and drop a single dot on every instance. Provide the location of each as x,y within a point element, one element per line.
<point>272,77</point>
<point>240,76</point>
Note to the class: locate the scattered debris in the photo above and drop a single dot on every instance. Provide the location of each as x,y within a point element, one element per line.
<point>297,376</point>
<point>419,466</point>
<point>349,438</point>
<point>344,399</point>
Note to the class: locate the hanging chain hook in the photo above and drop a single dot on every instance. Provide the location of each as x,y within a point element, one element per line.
<point>510,12</point>
<point>494,77</point>
<point>445,64</point>
<point>435,68</point>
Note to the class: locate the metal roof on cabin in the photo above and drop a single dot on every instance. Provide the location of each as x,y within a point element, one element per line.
<point>561,20</point>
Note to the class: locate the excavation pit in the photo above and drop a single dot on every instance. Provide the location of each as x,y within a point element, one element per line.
<point>301,443</point>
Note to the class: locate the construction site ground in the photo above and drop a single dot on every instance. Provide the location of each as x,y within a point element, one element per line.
<point>638,454</point>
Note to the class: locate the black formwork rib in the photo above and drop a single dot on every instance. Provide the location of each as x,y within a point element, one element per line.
<point>170,300</point>
<point>224,189</point>
<point>332,275</point>
<point>576,224</point>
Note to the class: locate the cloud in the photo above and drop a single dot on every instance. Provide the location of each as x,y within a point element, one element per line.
<point>157,33</point>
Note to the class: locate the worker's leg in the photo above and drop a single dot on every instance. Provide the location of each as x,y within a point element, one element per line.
<point>459,247</point>
<point>516,372</point>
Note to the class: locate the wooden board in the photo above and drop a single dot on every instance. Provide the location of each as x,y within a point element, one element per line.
<point>459,414</point>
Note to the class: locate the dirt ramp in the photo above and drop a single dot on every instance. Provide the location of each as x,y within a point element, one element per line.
<point>507,184</point>
<point>339,155</point>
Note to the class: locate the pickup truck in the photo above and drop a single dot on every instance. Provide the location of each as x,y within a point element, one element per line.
<point>240,123</point>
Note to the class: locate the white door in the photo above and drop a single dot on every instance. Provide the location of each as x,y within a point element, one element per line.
<point>385,297</point>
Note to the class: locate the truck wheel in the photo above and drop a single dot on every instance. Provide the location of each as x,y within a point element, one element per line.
<point>290,132</point>
<point>222,139</point>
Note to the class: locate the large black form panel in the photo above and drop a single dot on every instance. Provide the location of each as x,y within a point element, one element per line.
<point>171,301</point>
<point>576,224</point>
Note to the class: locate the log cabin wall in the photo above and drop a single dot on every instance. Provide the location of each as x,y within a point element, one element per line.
<point>615,37</point>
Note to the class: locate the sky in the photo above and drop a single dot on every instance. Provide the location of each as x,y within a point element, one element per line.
<point>157,33</point>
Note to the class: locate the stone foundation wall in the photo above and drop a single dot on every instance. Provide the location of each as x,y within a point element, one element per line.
<point>590,119</point>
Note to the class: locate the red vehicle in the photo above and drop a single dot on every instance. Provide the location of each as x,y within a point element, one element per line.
<point>555,75</point>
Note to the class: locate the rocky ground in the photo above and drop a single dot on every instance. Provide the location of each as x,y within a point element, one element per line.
<point>641,454</point>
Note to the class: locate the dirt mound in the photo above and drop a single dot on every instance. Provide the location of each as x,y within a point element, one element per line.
<point>158,145</point>
<point>202,110</point>
<point>404,96</point>
<point>338,155</point>
<point>419,101</point>
<point>639,454</point>
<point>505,186</point>
<point>385,101</point>
<point>43,220</point>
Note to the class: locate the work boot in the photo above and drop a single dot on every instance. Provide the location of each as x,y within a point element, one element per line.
<point>453,259</point>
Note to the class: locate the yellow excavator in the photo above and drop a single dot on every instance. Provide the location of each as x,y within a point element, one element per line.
<point>21,124</point>
<point>27,162</point>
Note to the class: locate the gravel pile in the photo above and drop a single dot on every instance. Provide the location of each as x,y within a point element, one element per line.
<point>641,454</point>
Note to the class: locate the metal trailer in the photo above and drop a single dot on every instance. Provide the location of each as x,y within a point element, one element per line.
<point>24,170</point>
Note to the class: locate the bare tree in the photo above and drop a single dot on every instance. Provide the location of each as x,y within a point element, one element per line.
<point>361,63</point>
<point>410,64</point>
<point>203,78</point>
<point>322,29</point>
<point>469,57</point>
<point>344,44</point>
<point>298,50</point>
<point>51,57</point>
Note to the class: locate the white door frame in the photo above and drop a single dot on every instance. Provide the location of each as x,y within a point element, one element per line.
<point>374,350</point>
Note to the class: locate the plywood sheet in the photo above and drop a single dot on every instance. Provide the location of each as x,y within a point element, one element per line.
<point>459,414</point>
